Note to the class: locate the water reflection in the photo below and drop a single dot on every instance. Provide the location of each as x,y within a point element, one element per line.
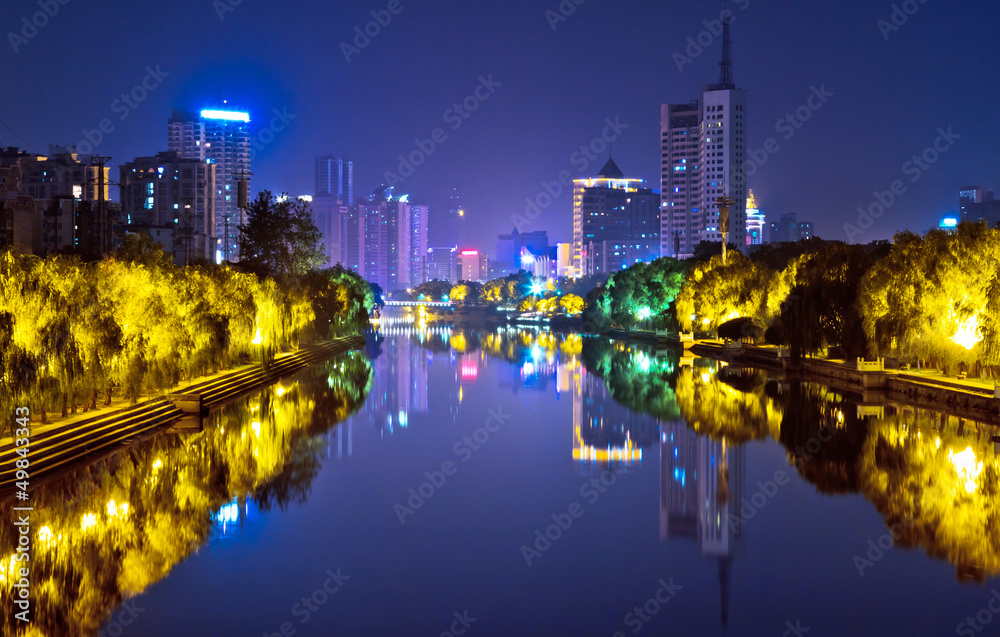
<point>934,474</point>
<point>106,532</point>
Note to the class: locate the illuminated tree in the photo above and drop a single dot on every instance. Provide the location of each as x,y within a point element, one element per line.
<point>459,293</point>
<point>714,293</point>
<point>571,304</point>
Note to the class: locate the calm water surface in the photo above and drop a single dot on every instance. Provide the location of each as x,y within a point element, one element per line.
<point>538,484</point>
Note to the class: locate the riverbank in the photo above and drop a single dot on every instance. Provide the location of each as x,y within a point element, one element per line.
<point>969,398</point>
<point>69,440</point>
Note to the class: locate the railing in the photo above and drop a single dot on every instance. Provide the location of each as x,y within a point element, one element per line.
<point>877,365</point>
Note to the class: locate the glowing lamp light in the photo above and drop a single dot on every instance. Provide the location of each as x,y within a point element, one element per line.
<point>45,534</point>
<point>967,334</point>
<point>537,287</point>
<point>966,468</point>
<point>229,116</point>
<point>644,313</point>
<point>88,521</point>
<point>280,391</point>
<point>949,222</point>
<point>257,339</point>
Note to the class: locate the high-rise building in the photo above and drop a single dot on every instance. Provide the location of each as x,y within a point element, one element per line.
<point>441,264</point>
<point>703,158</point>
<point>756,223</point>
<point>329,213</point>
<point>169,193</point>
<point>472,266</point>
<point>388,243</point>
<point>335,178</point>
<point>978,202</point>
<point>220,137</point>
<point>418,244</point>
<point>615,222</point>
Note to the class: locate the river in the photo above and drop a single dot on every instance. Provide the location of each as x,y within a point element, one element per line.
<point>523,482</point>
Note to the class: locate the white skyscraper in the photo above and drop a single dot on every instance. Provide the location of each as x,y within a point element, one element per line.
<point>221,137</point>
<point>703,151</point>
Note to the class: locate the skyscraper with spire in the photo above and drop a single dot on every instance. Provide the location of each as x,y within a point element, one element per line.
<point>703,152</point>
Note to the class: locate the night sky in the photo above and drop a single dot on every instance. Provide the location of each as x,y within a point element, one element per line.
<point>557,87</point>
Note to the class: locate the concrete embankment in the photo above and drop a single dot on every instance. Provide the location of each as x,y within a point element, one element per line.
<point>58,446</point>
<point>962,398</point>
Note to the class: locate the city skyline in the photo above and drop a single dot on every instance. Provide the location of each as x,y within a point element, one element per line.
<point>815,171</point>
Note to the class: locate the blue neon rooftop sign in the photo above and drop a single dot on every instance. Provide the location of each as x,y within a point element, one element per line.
<point>232,116</point>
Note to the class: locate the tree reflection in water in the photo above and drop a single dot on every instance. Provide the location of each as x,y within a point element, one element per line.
<point>105,532</point>
<point>933,475</point>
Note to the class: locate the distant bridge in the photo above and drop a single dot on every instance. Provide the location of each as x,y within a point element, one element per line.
<point>417,304</point>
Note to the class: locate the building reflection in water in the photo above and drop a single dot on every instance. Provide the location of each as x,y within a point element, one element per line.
<point>701,483</point>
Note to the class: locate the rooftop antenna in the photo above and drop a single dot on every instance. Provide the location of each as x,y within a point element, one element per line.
<point>726,82</point>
